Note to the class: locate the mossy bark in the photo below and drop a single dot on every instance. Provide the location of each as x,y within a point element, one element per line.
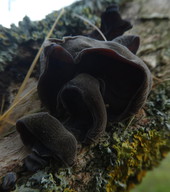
<point>128,149</point>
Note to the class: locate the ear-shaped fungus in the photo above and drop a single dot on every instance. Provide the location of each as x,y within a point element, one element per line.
<point>57,68</point>
<point>125,79</point>
<point>46,136</point>
<point>86,114</point>
<point>112,25</point>
<point>83,83</point>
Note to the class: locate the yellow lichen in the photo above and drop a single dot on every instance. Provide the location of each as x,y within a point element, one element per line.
<point>143,149</point>
<point>69,190</point>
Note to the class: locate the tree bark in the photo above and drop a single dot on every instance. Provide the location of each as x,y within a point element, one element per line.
<point>120,159</point>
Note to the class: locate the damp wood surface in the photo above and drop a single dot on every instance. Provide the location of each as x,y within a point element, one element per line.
<point>128,149</point>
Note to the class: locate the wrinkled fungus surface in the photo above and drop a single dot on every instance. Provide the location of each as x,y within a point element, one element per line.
<point>85,83</point>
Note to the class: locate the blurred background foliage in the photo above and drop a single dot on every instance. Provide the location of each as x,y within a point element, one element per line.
<point>157,180</point>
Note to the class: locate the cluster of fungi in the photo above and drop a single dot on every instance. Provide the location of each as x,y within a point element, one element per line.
<point>84,83</point>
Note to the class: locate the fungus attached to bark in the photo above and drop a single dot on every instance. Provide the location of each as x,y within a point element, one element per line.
<point>46,136</point>
<point>124,78</point>
<point>83,83</point>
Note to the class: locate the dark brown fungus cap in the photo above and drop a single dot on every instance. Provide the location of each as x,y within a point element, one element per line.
<point>57,68</point>
<point>112,25</point>
<point>113,29</point>
<point>125,78</point>
<point>83,83</point>
<point>82,100</point>
<point>45,135</point>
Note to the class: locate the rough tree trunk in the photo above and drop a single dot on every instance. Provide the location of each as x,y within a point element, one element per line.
<point>128,149</point>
